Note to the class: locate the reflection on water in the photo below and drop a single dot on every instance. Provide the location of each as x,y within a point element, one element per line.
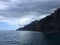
<point>31,38</point>
<point>53,38</point>
<point>28,38</point>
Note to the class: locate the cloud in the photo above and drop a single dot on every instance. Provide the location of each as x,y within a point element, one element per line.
<point>14,11</point>
<point>16,21</point>
<point>18,8</point>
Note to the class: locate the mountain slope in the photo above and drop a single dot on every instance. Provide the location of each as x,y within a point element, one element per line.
<point>50,23</point>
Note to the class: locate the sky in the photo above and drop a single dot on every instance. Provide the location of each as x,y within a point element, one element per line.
<point>18,13</point>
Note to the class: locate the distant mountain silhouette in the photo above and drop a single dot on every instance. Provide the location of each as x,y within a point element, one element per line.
<point>50,23</point>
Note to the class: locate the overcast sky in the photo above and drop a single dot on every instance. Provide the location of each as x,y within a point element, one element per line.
<point>17,13</point>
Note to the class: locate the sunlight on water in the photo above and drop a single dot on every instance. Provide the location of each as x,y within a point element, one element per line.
<point>31,37</point>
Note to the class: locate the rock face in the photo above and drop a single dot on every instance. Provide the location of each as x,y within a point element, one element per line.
<point>50,23</point>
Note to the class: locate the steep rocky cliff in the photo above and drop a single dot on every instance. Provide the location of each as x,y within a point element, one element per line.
<point>50,23</point>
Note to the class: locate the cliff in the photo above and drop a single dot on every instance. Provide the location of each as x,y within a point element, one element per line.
<point>50,23</point>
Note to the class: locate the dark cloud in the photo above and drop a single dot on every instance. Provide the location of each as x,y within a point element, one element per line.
<point>16,9</point>
<point>22,12</point>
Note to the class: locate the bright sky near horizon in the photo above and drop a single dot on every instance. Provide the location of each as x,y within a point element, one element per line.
<point>17,13</point>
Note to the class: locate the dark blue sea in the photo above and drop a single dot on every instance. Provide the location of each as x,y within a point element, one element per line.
<point>29,38</point>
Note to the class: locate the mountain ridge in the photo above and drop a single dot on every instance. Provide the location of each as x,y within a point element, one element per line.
<point>50,23</point>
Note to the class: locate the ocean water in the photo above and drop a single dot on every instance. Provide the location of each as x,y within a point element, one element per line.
<point>28,38</point>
